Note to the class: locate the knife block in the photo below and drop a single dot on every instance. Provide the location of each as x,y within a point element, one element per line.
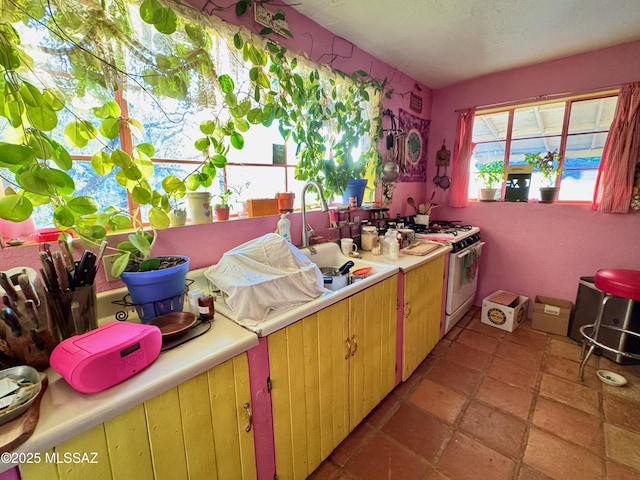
<point>35,343</point>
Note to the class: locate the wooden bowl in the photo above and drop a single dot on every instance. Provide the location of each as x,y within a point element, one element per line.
<point>174,325</point>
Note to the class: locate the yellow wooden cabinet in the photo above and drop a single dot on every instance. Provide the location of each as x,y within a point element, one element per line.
<point>328,371</point>
<point>197,430</point>
<point>422,312</point>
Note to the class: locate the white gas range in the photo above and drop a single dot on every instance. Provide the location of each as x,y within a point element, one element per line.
<point>464,261</point>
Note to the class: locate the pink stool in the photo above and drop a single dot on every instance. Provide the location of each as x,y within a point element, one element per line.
<point>614,283</point>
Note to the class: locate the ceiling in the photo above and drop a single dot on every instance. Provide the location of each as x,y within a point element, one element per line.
<point>442,42</point>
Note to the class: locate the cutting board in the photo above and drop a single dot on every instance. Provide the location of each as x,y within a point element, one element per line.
<point>17,431</point>
<point>421,249</point>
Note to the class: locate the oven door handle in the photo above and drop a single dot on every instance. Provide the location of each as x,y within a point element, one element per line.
<point>468,250</point>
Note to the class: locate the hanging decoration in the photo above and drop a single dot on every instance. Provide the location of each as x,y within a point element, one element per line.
<point>413,162</point>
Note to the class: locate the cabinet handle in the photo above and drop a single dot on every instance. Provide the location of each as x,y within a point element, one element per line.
<point>348,348</point>
<point>355,345</point>
<point>407,309</point>
<point>247,408</point>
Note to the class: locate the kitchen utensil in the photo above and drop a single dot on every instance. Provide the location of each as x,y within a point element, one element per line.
<point>362,272</point>
<point>32,311</point>
<point>174,325</point>
<point>390,171</point>
<point>344,269</point>
<point>412,203</point>
<point>422,209</point>
<point>436,179</point>
<point>66,255</point>
<point>336,278</point>
<point>11,319</point>
<point>445,181</point>
<point>85,273</point>
<point>103,247</point>
<point>62,275</point>
<point>48,272</point>
<point>8,287</point>
<point>28,290</point>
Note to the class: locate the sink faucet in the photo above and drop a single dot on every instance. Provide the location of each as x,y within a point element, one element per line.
<point>305,232</point>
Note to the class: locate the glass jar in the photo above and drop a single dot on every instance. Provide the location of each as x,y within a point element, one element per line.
<point>369,238</point>
<point>390,247</point>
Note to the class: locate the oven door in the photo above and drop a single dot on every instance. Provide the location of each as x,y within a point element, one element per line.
<point>463,276</point>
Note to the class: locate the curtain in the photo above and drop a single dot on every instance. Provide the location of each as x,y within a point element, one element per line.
<point>614,183</point>
<point>463,150</point>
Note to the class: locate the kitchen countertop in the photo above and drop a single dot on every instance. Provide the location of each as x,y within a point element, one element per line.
<point>65,413</point>
<point>407,262</point>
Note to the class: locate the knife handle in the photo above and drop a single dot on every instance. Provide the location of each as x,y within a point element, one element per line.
<point>11,319</point>
<point>66,255</point>
<point>62,274</point>
<point>49,273</point>
<point>28,290</point>
<point>8,287</point>
<point>32,311</point>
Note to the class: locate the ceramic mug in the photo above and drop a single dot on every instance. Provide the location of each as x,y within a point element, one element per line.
<point>347,246</point>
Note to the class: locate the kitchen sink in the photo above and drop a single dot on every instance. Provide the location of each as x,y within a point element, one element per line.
<point>323,255</point>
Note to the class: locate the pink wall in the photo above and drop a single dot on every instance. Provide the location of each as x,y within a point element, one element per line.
<point>538,249</point>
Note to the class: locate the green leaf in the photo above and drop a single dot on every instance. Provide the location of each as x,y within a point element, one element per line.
<point>237,140</point>
<point>219,161</point>
<point>173,185</point>
<point>61,156</point>
<point>146,148</point>
<point>83,205</point>
<point>110,128</point>
<point>132,172</point>
<point>120,264</point>
<point>9,57</point>
<point>151,11</point>
<point>168,23</point>
<point>141,195</point>
<point>39,112</point>
<point>159,218</point>
<point>15,208</point>
<point>101,163</point>
<point>226,83</point>
<point>202,144</point>
<point>207,127</point>
<point>54,99</point>
<point>196,34</point>
<point>63,216</point>
<point>139,240</point>
<point>255,116</point>
<point>237,41</point>
<point>79,133</point>
<point>241,7</point>
<point>241,124</point>
<point>109,109</point>
<point>149,264</point>
<point>266,31</point>
<point>121,158</point>
<point>11,154</point>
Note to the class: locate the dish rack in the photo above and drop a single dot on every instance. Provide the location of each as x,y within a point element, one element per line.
<point>174,303</point>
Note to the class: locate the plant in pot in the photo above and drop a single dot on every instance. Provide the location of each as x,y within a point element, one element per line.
<point>222,207</point>
<point>549,166</point>
<point>490,174</point>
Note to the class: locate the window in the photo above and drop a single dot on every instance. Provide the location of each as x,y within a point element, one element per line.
<point>170,102</point>
<point>576,128</point>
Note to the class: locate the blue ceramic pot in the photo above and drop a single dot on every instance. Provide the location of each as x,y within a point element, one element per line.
<point>355,188</point>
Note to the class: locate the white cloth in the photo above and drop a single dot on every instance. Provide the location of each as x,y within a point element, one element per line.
<point>265,274</point>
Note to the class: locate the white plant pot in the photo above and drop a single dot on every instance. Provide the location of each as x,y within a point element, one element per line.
<point>200,207</point>
<point>488,194</point>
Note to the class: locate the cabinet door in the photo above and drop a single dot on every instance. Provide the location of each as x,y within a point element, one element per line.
<point>373,345</point>
<point>309,375</point>
<point>196,430</point>
<point>423,289</point>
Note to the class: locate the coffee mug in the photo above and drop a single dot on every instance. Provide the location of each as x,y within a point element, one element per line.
<point>347,246</point>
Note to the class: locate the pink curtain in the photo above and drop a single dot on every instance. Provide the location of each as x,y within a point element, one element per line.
<point>462,151</point>
<point>614,184</point>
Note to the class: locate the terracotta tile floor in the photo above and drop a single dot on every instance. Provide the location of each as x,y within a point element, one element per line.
<point>489,405</point>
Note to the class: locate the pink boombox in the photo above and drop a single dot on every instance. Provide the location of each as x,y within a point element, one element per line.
<point>102,358</point>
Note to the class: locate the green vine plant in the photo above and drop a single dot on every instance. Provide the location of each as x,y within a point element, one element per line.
<point>306,106</point>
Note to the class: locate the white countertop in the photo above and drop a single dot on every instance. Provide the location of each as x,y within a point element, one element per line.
<point>65,413</point>
<point>408,262</point>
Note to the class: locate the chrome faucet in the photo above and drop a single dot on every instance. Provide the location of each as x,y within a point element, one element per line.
<point>325,208</point>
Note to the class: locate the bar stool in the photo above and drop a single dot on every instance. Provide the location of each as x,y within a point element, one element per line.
<point>614,283</point>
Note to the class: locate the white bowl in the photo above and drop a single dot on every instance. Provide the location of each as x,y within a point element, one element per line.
<point>611,378</point>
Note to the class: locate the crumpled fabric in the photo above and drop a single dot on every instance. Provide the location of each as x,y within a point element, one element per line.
<point>265,274</point>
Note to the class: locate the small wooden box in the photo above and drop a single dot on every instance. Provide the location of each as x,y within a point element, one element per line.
<point>259,207</point>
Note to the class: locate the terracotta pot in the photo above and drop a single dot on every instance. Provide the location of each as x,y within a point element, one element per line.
<point>222,213</point>
<point>285,201</point>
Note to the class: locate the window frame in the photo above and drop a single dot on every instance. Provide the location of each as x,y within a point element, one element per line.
<point>564,134</point>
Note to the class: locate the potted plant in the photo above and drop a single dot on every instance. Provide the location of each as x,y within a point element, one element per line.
<point>549,167</point>
<point>490,174</point>
<point>222,207</point>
